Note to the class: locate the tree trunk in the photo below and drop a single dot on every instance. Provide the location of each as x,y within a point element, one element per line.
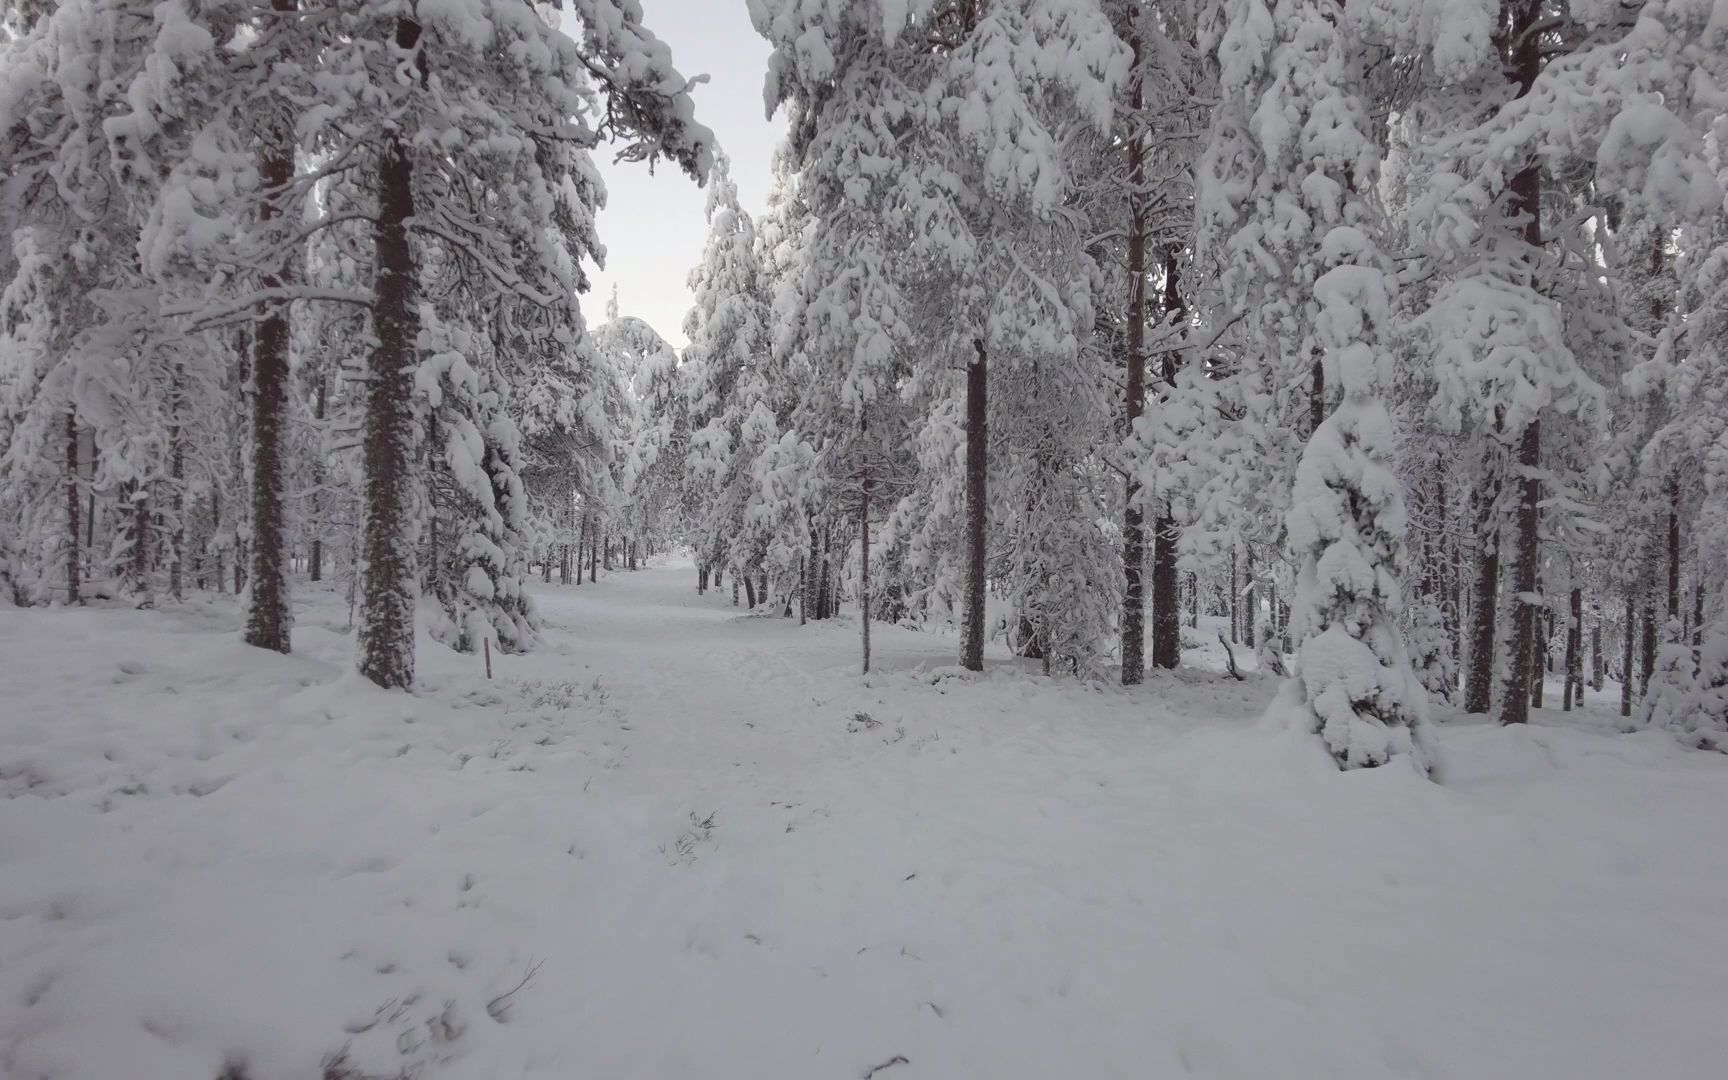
<point>1252,612</point>
<point>1234,605</point>
<point>1697,610</point>
<point>320,408</point>
<point>1166,609</point>
<point>387,532</point>
<point>1631,634</point>
<point>138,555</point>
<point>74,553</point>
<point>269,612</point>
<point>1484,606</point>
<point>1598,672</point>
<point>749,591</point>
<point>593,550</point>
<point>864,566</point>
<point>1674,548</point>
<point>1134,396</point>
<point>215,528</point>
<point>1647,655</point>
<point>177,477</point>
<point>977,465</point>
<point>1526,200</point>
<point>1523,668</point>
<point>1574,694</point>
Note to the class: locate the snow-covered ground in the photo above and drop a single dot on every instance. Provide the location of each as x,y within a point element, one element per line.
<point>695,843</point>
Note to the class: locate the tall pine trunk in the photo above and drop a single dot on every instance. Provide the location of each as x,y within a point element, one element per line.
<point>864,563</point>
<point>1526,191</point>
<point>977,466</point>
<point>177,477</point>
<point>1574,694</point>
<point>387,604</point>
<point>1524,668</point>
<point>1631,633</point>
<point>1479,680</point>
<point>320,410</point>
<point>74,552</point>
<point>269,612</point>
<point>1166,606</point>
<point>1134,398</point>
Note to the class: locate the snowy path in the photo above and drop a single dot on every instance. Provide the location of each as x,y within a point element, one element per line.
<point>212,856</point>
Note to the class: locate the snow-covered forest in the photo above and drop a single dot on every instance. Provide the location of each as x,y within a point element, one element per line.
<point>1187,537</point>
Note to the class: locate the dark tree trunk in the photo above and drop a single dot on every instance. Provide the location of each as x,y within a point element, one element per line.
<point>177,477</point>
<point>215,527</point>
<point>74,553</point>
<point>1647,655</point>
<point>1574,694</point>
<point>1134,397</point>
<point>320,409</point>
<point>749,591</point>
<point>1598,672</point>
<point>1525,56</point>
<point>864,565</point>
<point>269,613</point>
<point>1166,609</point>
<point>1538,658</point>
<point>1252,612</point>
<point>1674,548</point>
<point>1523,668</point>
<point>825,597</point>
<point>1233,603</point>
<point>977,466</point>
<point>387,601</point>
<point>138,552</point>
<point>1631,634</point>
<point>1697,610</point>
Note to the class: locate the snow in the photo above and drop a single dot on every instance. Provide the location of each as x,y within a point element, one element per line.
<point>724,854</point>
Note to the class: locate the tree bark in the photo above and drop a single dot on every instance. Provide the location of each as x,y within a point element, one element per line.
<point>1251,613</point>
<point>74,553</point>
<point>387,533</point>
<point>1516,696</point>
<point>864,564</point>
<point>1631,634</point>
<point>1134,396</point>
<point>977,466</point>
<point>320,408</point>
<point>1597,667</point>
<point>1574,694</point>
<point>138,553</point>
<point>1166,606</point>
<point>269,612</point>
<point>177,477</point>
<point>1525,58</point>
<point>1647,655</point>
<point>1674,548</point>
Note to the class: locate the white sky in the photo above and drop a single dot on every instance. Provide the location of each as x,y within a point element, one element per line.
<point>653,226</point>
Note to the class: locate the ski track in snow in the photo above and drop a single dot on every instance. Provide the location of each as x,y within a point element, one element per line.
<point>212,856</point>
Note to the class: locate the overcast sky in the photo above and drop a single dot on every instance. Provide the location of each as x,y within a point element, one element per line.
<point>653,226</point>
